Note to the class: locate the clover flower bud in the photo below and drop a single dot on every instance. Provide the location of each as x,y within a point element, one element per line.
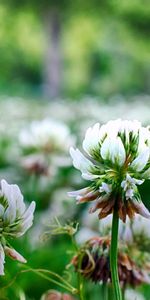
<point>116,159</point>
<point>15,220</point>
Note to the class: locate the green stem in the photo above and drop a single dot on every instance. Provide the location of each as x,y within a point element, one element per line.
<point>113,257</point>
<point>79,276</point>
<point>80,285</point>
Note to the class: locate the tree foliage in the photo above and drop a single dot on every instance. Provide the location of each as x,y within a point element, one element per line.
<point>104,44</point>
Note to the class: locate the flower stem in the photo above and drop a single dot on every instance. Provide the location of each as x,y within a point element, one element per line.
<point>79,277</point>
<point>113,256</point>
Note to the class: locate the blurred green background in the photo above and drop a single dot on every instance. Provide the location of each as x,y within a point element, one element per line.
<point>78,62</point>
<point>73,48</point>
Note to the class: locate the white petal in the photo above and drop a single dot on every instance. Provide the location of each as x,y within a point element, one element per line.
<point>2,260</point>
<point>14,254</point>
<point>97,202</point>
<point>80,162</point>
<point>105,149</point>
<point>140,162</point>
<point>112,127</point>
<point>92,138</point>
<point>7,192</point>
<point>89,176</point>
<point>105,188</point>
<point>18,197</point>
<point>6,189</point>
<point>130,126</point>
<point>129,193</point>
<point>10,214</point>
<point>129,185</point>
<point>144,137</point>
<point>137,181</point>
<point>113,149</point>
<point>27,219</point>
<point>14,199</point>
<point>77,193</point>
<point>131,181</point>
<point>29,211</point>
<point>140,207</point>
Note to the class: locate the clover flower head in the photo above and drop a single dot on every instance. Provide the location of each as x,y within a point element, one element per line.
<point>115,159</point>
<point>93,262</point>
<point>46,135</point>
<point>15,220</point>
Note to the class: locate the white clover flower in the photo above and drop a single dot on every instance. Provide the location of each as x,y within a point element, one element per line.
<point>15,220</point>
<point>47,135</point>
<point>116,159</point>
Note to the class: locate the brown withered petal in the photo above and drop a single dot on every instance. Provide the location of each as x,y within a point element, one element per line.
<point>88,197</point>
<point>107,208</point>
<point>107,204</point>
<point>122,211</point>
<point>126,208</point>
<point>130,209</point>
<point>125,261</point>
<point>99,203</point>
<point>95,265</point>
<point>84,195</point>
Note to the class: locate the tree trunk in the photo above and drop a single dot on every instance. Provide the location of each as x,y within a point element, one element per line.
<point>52,59</point>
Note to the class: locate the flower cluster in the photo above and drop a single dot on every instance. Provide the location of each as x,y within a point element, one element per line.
<point>46,135</point>
<point>44,145</point>
<point>116,160</point>
<point>15,220</point>
<point>93,262</point>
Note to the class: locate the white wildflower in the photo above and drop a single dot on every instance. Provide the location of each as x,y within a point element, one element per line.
<point>47,135</point>
<point>15,220</point>
<point>116,160</point>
